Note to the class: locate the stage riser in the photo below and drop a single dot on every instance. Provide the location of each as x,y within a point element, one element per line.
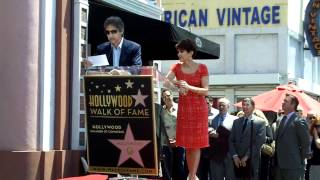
<point>40,165</point>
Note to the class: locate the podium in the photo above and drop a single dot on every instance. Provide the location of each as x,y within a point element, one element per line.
<point>120,121</point>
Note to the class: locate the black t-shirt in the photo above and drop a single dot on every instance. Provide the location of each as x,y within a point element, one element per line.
<point>315,160</point>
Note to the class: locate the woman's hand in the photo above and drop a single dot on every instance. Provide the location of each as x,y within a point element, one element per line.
<point>170,84</point>
<point>183,87</point>
<point>184,84</point>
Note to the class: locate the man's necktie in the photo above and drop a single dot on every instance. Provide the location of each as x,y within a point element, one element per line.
<point>281,125</point>
<point>244,124</point>
<point>220,120</point>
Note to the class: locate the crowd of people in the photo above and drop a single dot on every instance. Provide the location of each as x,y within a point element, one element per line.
<point>200,142</point>
<point>251,146</point>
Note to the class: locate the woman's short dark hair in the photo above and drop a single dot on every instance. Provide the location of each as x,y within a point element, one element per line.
<point>114,21</point>
<point>187,45</point>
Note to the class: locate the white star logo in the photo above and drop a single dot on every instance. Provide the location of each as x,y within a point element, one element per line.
<point>129,84</point>
<point>118,88</point>
<point>139,98</point>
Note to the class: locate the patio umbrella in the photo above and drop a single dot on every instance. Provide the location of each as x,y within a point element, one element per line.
<point>272,100</point>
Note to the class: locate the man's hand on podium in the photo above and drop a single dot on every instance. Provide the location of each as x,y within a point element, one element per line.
<point>86,64</point>
<point>119,72</point>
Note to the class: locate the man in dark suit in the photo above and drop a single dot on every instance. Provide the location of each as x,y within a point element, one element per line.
<point>221,165</point>
<point>292,142</point>
<point>245,146</point>
<point>119,51</point>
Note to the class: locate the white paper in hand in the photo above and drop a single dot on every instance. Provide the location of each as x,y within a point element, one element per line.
<point>100,60</point>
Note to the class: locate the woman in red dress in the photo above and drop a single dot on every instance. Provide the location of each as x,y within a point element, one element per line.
<point>192,119</point>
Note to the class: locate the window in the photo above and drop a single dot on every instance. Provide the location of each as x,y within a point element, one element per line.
<point>80,52</point>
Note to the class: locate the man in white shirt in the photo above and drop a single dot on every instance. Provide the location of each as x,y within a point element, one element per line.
<point>170,118</point>
<point>219,130</point>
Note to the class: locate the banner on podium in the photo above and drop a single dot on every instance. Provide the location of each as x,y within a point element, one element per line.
<point>120,124</point>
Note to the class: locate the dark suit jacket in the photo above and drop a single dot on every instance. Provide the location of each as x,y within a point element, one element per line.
<point>240,142</point>
<point>292,143</point>
<point>130,53</point>
<point>219,147</point>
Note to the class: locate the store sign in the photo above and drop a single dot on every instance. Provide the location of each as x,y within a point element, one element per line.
<point>120,125</point>
<point>231,13</point>
<point>312,26</point>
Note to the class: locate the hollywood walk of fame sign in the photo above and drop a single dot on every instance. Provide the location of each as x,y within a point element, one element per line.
<point>120,124</point>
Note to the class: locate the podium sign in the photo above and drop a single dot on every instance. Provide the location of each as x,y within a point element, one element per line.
<point>120,124</point>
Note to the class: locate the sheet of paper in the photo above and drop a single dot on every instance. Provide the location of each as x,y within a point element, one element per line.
<point>99,60</point>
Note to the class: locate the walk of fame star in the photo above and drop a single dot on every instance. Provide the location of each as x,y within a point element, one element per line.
<point>130,147</point>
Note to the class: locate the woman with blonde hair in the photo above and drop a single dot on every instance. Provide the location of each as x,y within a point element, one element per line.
<point>240,114</point>
<point>260,114</point>
<point>267,148</point>
<point>313,165</point>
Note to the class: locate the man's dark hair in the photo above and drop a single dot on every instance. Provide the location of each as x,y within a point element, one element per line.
<point>249,100</point>
<point>165,90</point>
<point>294,100</point>
<point>116,22</point>
<point>210,98</point>
<point>187,45</point>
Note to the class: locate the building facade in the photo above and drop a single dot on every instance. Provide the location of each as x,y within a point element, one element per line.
<point>262,44</point>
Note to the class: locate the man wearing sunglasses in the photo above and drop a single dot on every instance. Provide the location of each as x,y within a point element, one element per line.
<point>119,51</point>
